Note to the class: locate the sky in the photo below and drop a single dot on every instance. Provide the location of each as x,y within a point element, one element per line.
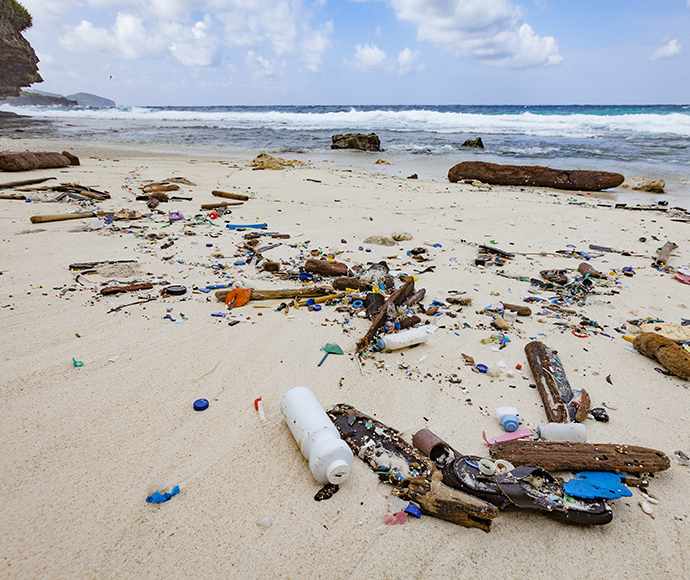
<point>364,52</point>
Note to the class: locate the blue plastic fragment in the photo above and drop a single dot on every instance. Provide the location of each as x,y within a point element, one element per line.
<point>306,277</point>
<point>158,497</point>
<point>357,304</point>
<point>414,510</point>
<point>597,485</point>
<point>219,314</point>
<point>243,226</point>
<point>201,404</point>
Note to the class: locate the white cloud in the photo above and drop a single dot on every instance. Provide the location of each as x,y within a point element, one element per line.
<point>370,58</point>
<point>668,50</point>
<point>260,66</point>
<point>492,31</point>
<point>170,28</point>
<point>407,62</point>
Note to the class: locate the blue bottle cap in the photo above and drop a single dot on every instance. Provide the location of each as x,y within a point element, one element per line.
<point>200,405</point>
<point>317,307</point>
<point>481,368</point>
<point>510,423</point>
<point>357,304</point>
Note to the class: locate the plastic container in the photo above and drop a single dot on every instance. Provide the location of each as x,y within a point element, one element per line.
<point>402,339</point>
<point>573,432</point>
<point>509,418</point>
<point>330,459</point>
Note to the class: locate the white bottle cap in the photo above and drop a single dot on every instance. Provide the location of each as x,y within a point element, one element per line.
<point>338,471</point>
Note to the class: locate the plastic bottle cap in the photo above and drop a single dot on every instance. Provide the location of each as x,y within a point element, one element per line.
<point>510,423</point>
<point>380,343</point>
<point>481,368</point>
<point>200,405</point>
<point>337,471</point>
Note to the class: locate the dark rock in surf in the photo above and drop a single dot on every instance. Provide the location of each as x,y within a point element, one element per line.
<point>476,143</point>
<point>534,176</point>
<point>359,141</point>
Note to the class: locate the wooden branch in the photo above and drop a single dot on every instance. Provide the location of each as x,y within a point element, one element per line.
<point>229,195</point>
<point>24,182</point>
<point>557,456</point>
<point>128,288</point>
<point>551,382</point>
<point>398,296</point>
<point>39,219</point>
<point>281,293</point>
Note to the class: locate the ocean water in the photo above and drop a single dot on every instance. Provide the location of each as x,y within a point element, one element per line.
<point>652,141</point>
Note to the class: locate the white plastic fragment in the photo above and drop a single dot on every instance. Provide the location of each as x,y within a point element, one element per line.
<point>646,507</point>
<point>264,522</point>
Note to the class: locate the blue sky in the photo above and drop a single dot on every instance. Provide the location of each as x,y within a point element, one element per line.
<point>269,52</point>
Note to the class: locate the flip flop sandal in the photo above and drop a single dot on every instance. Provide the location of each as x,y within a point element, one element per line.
<point>525,487</point>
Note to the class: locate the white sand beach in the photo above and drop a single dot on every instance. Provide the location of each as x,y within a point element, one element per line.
<point>81,446</point>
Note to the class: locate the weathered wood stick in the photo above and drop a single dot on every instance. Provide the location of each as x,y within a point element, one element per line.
<point>519,308</point>
<point>441,501</point>
<point>282,293</point>
<point>229,195</point>
<point>13,196</point>
<point>398,296</point>
<point>39,219</point>
<point>154,187</point>
<point>219,205</point>
<point>551,381</point>
<point>664,253</point>
<point>129,288</point>
<point>558,456</point>
<point>326,268</point>
<point>24,182</point>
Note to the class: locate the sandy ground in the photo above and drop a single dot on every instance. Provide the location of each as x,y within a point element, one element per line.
<point>81,446</point>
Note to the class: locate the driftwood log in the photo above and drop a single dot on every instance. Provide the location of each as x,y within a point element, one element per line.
<point>664,254</point>
<point>534,176</point>
<point>437,499</point>
<point>326,268</point>
<point>24,182</point>
<point>281,293</point>
<point>128,288</point>
<point>27,161</point>
<point>557,456</point>
<point>229,195</point>
<point>666,352</point>
<point>520,309</point>
<point>552,384</point>
<point>349,282</point>
<point>584,268</point>
<point>39,219</point>
<point>219,205</point>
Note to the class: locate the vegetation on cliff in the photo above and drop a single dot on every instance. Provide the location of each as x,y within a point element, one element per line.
<point>16,14</point>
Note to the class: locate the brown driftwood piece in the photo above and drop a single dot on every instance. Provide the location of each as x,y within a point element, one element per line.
<point>348,282</point>
<point>417,296</point>
<point>397,297</point>
<point>560,309</point>
<point>326,268</point>
<point>664,254</point>
<point>519,308</point>
<point>584,268</point>
<point>559,456</point>
<point>28,160</point>
<point>39,219</point>
<point>128,288</point>
<point>24,182</point>
<point>219,205</point>
<point>282,293</point>
<point>583,408</point>
<point>551,382</point>
<point>666,352</point>
<point>535,176</point>
<point>155,187</point>
<point>229,195</point>
<point>12,196</point>
<point>441,501</point>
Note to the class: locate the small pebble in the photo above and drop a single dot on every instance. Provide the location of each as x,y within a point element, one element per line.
<point>264,522</point>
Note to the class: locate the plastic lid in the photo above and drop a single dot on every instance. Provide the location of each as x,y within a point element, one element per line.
<point>338,471</point>
<point>510,423</point>
<point>380,343</point>
<point>200,405</point>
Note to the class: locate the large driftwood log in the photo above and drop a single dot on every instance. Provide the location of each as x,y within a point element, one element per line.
<point>552,383</point>
<point>326,268</point>
<point>27,161</point>
<point>534,176</point>
<point>664,254</point>
<point>230,195</point>
<point>666,352</point>
<point>439,500</point>
<point>557,456</point>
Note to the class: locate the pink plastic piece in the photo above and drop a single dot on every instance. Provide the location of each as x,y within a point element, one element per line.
<point>397,519</point>
<point>519,434</point>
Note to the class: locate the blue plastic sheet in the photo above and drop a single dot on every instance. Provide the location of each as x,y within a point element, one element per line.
<point>597,485</point>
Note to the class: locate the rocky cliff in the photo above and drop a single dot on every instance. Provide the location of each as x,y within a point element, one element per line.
<point>18,61</point>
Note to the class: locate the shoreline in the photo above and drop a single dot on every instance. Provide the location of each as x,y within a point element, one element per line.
<point>83,445</point>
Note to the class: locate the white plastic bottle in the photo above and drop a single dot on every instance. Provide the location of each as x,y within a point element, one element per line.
<point>572,432</point>
<point>330,458</point>
<point>509,418</point>
<point>403,338</point>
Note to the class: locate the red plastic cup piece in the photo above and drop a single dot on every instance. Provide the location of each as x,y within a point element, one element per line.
<point>256,404</point>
